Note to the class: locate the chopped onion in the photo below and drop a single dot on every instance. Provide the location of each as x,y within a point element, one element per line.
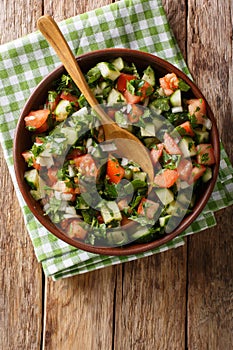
<point>177,109</point>
<point>129,108</point>
<point>57,194</point>
<point>71,171</point>
<point>91,149</point>
<point>207,123</point>
<point>66,196</point>
<point>45,161</point>
<point>70,210</point>
<point>89,142</point>
<point>108,147</point>
<point>124,161</point>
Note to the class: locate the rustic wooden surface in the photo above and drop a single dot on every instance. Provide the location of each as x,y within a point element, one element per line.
<point>181,299</point>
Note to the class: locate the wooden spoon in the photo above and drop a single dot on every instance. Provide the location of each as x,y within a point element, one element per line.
<point>127,144</point>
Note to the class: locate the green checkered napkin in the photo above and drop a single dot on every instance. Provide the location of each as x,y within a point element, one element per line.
<point>138,24</point>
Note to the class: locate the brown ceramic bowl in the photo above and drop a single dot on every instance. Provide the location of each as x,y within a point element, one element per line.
<point>22,141</point>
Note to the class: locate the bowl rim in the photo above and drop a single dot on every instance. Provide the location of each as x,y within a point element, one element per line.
<point>133,248</point>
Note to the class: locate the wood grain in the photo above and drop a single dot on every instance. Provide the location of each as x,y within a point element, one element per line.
<point>80,312</point>
<point>21,275</point>
<point>150,298</point>
<point>210,282</point>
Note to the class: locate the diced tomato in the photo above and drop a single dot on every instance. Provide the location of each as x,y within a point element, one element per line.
<point>169,83</point>
<point>205,154</point>
<point>39,141</point>
<point>186,129</point>
<point>196,173</point>
<point>29,157</point>
<point>100,219</point>
<point>147,208</point>
<point>135,113</point>
<point>115,171</point>
<point>197,107</point>
<point>130,98</point>
<point>170,145</point>
<point>184,169</point>
<point>86,165</point>
<point>146,90</point>
<point>143,92</point>
<point>156,153</point>
<point>35,119</point>
<point>75,230</point>
<point>76,152</point>
<point>69,97</point>
<point>52,175</point>
<point>167,178</point>
<point>122,81</point>
<point>43,128</point>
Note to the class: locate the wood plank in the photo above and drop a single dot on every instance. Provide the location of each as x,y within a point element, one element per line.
<point>210,299</point>
<point>80,311</point>
<point>176,12</point>
<point>151,303</point>
<point>21,275</point>
<point>66,8</point>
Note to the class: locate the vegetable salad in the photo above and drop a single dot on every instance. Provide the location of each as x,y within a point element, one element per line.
<point>91,193</point>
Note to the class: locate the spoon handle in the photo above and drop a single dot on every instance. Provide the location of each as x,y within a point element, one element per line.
<point>54,36</point>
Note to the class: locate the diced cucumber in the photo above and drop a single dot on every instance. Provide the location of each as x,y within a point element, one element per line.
<point>165,195</point>
<point>187,146</point>
<point>97,152</point>
<point>81,113</point>
<point>150,141</point>
<point>172,208</point>
<point>121,119</point>
<point>103,85</point>
<point>39,193</point>
<point>32,178</point>
<point>62,110</point>
<point>207,175</point>
<point>202,136</point>
<point>164,220</point>
<point>175,99</point>
<point>117,237</point>
<point>154,109</point>
<point>115,97</point>
<point>182,185</point>
<point>158,121</point>
<point>139,175</point>
<point>148,130</point>
<point>183,199</point>
<point>118,63</point>
<point>110,212</point>
<point>141,235</point>
<point>149,75</point>
<point>108,70</point>
<point>71,135</point>
<point>36,194</point>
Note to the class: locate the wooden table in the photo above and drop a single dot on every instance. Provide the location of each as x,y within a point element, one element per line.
<point>180,299</point>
